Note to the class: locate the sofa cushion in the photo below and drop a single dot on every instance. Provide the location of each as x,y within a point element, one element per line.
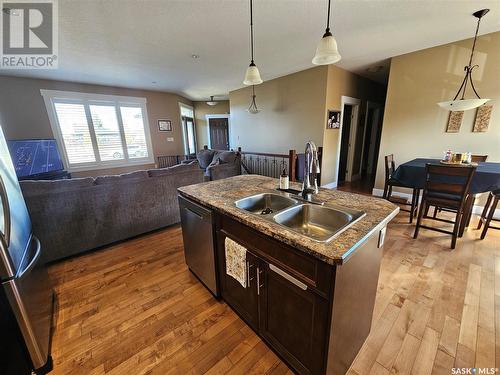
<point>55,186</point>
<point>205,157</point>
<point>179,168</point>
<point>102,180</point>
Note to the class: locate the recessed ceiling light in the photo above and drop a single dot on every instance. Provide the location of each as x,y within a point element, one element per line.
<point>195,56</point>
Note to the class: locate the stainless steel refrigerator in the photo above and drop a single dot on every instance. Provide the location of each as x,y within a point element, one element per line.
<point>25,282</point>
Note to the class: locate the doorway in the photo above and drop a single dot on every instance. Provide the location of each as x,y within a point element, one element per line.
<point>347,139</point>
<point>367,145</point>
<point>344,142</point>
<point>218,132</point>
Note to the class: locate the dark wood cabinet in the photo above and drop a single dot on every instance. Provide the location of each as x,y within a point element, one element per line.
<point>293,319</point>
<point>316,316</point>
<point>243,300</point>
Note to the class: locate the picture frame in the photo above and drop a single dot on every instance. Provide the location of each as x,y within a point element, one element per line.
<point>333,120</point>
<point>165,125</point>
<point>454,121</point>
<point>482,120</point>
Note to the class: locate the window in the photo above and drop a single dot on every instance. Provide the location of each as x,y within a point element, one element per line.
<point>188,129</point>
<point>99,131</point>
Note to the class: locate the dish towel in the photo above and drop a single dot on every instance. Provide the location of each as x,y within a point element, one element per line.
<point>236,259</point>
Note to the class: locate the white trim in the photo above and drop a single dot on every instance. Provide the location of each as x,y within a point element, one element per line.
<point>86,99</point>
<point>225,115</point>
<point>183,130</point>
<point>355,103</point>
<point>331,185</point>
<point>476,209</point>
<point>57,94</point>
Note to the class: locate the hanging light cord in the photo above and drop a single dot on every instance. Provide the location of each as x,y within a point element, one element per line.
<point>251,29</point>
<point>469,68</point>
<point>327,31</point>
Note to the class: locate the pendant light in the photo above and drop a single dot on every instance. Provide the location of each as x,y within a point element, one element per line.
<point>463,104</point>
<point>327,51</point>
<point>212,102</point>
<point>253,105</point>
<point>252,75</point>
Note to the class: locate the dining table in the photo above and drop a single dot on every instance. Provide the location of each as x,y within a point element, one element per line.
<point>486,178</point>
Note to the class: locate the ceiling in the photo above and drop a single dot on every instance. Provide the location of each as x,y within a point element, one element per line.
<point>149,44</point>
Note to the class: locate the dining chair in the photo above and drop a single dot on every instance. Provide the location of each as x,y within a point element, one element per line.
<point>478,158</point>
<point>474,159</point>
<point>487,217</point>
<point>390,182</point>
<point>446,187</point>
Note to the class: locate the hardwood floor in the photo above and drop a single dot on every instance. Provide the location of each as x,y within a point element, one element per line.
<point>134,308</point>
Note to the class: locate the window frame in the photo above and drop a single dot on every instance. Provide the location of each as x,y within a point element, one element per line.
<point>51,97</point>
<point>185,140</point>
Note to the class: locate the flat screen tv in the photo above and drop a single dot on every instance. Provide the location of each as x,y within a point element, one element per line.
<point>35,156</point>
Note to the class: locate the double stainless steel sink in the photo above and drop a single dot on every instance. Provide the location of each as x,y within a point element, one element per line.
<point>315,221</point>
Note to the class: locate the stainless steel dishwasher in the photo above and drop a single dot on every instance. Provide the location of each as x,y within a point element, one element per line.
<point>199,249</point>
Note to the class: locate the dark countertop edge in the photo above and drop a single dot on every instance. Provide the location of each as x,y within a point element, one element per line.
<point>331,261</point>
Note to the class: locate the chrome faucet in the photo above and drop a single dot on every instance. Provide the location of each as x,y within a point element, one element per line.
<point>311,170</point>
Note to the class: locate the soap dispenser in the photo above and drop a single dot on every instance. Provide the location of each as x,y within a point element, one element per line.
<point>284,181</point>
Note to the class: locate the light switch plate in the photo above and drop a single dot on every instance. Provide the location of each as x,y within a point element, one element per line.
<point>170,139</point>
<point>381,237</point>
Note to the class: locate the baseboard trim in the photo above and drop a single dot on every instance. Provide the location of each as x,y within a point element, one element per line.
<point>476,209</point>
<point>331,185</point>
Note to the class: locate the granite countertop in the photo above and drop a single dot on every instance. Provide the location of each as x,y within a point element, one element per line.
<point>220,195</point>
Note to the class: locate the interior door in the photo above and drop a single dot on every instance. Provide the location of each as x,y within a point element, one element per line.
<point>219,133</point>
<point>344,145</point>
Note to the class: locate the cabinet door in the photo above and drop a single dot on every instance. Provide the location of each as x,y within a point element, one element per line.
<point>293,319</point>
<point>243,300</point>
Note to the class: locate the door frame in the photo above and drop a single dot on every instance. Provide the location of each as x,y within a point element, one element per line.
<point>374,106</point>
<point>355,104</point>
<point>183,128</point>
<point>225,115</point>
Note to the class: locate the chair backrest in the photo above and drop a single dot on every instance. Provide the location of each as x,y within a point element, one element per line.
<point>390,166</point>
<point>451,180</point>
<point>478,158</point>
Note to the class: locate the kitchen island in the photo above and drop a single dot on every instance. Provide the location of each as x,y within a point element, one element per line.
<point>310,299</point>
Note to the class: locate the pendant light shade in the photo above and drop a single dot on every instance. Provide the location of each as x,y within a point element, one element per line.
<point>327,51</point>
<point>252,75</point>
<point>463,104</point>
<point>212,102</point>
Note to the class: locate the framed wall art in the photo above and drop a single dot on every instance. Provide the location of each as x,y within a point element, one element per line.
<point>482,120</point>
<point>165,125</point>
<point>333,121</point>
<point>454,121</point>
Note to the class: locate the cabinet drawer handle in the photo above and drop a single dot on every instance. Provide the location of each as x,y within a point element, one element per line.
<point>248,274</point>
<point>290,278</point>
<point>258,281</point>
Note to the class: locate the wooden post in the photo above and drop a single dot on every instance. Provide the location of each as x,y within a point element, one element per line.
<point>292,162</point>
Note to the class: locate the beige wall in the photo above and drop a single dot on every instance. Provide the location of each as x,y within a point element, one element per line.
<point>344,83</point>
<point>414,126</point>
<point>23,114</point>
<point>201,109</point>
<point>292,112</point>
